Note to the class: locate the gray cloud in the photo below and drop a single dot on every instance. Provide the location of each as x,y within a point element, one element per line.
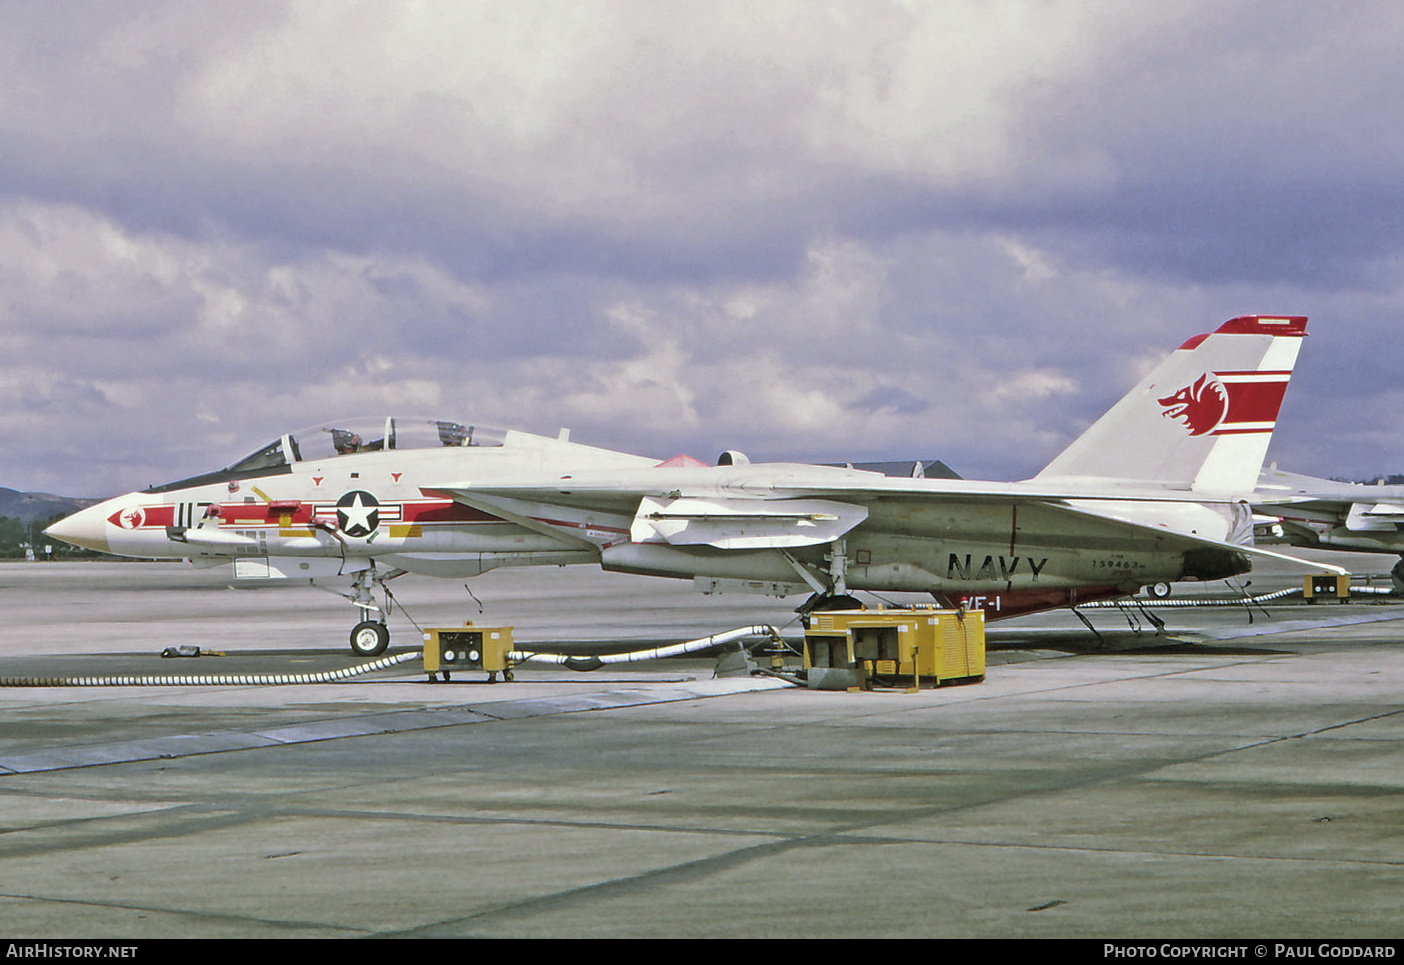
<point>862,230</point>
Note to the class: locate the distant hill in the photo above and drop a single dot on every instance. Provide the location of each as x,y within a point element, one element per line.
<point>38,506</point>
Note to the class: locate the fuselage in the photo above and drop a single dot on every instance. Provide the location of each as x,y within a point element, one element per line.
<point>460,509</point>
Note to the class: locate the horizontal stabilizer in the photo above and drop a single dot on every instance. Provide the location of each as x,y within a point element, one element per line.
<point>1315,566</point>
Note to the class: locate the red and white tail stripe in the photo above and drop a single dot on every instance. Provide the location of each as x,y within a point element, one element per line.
<point>1202,419</point>
<point>1254,399</point>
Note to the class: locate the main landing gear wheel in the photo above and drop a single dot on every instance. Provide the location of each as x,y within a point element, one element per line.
<point>370,638</point>
<point>1159,591</point>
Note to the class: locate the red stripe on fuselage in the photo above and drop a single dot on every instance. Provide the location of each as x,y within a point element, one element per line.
<point>445,511</point>
<point>419,512</point>
<point>253,514</point>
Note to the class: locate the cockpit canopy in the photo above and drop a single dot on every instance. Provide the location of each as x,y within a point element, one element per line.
<point>346,437</point>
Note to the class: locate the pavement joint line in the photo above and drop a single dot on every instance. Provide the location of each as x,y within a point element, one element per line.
<point>170,746</point>
<point>277,923</point>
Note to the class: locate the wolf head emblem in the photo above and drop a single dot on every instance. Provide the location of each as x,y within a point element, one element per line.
<point>1202,405</point>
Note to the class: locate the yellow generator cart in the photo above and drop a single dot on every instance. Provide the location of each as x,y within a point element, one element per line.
<point>468,648</point>
<point>860,649</point>
<point>1326,587</point>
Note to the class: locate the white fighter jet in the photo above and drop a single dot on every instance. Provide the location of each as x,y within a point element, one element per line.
<point>1156,490</point>
<point>1306,511</point>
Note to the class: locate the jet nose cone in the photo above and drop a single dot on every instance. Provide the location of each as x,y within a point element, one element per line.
<point>86,528</point>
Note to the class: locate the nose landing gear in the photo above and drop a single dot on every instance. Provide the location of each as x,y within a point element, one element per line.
<point>371,636</point>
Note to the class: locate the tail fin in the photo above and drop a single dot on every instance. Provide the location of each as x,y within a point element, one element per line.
<point>1202,420</point>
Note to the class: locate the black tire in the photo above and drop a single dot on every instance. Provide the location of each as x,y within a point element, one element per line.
<point>1158,591</point>
<point>823,603</point>
<point>844,602</point>
<point>369,638</point>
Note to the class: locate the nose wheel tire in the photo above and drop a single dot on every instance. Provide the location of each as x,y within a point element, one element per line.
<point>369,639</point>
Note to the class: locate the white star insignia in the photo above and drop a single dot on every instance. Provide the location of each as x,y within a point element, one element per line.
<point>358,515</point>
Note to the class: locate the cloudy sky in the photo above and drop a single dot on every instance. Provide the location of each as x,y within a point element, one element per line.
<point>854,229</point>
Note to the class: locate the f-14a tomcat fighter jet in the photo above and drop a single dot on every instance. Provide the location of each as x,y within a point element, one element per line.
<point>1156,490</point>
<point>1305,511</point>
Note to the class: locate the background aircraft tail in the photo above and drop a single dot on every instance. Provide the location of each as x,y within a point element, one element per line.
<point>1202,419</point>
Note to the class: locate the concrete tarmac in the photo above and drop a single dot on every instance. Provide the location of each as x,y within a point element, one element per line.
<point>1234,777</point>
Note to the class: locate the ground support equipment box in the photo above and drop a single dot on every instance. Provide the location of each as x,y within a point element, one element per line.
<point>1326,587</point>
<point>848,649</point>
<point>447,649</point>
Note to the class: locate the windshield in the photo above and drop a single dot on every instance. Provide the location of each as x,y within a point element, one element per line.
<point>269,457</point>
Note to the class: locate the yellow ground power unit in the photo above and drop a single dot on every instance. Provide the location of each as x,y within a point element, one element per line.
<point>847,649</point>
<point>447,649</point>
<point>1327,587</point>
